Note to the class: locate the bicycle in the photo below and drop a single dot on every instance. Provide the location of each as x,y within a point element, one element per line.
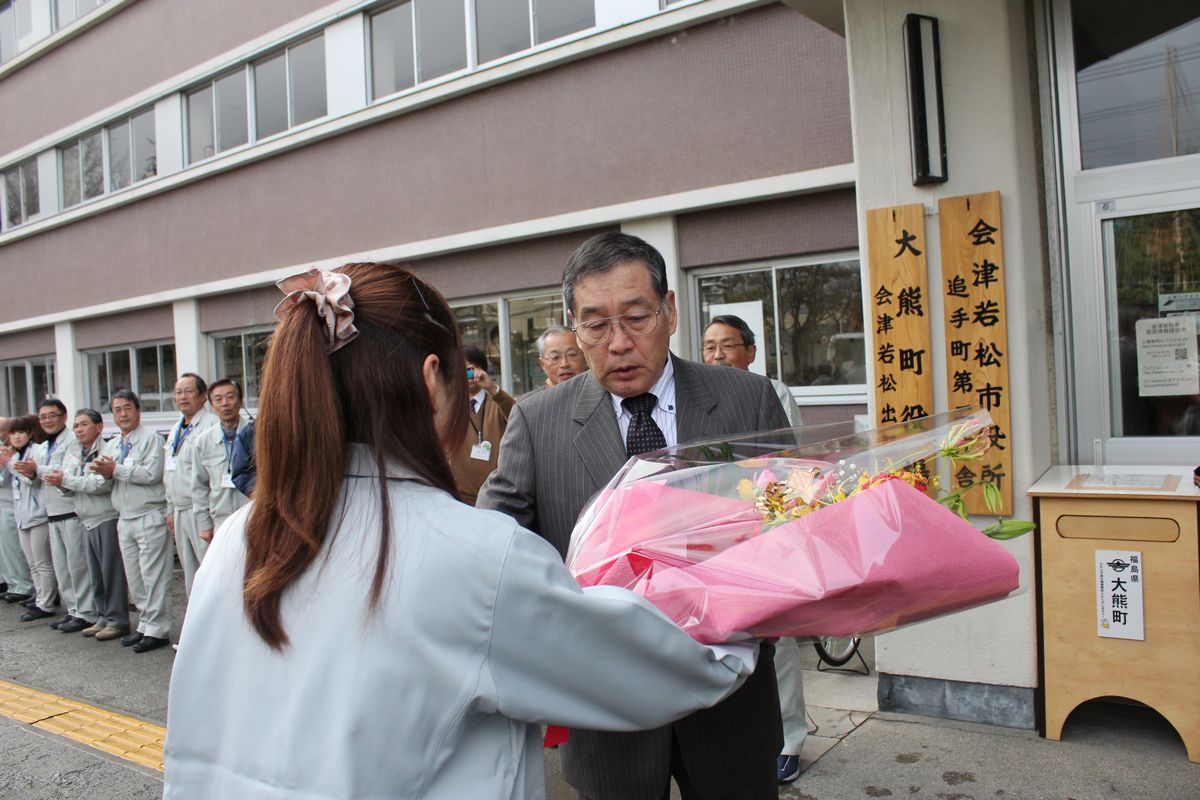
<point>836,650</point>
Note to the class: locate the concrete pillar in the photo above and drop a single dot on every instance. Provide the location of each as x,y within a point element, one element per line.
<point>660,232</point>
<point>986,658</point>
<point>191,345</point>
<point>69,368</point>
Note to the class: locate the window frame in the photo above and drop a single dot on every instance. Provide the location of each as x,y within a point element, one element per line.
<point>1088,201</point>
<point>501,301</point>
<point>134,375</point>
<point>216,357</point>
<point>27,364</point>
<point>105,132</point>
<point>20,167</point>
<point>831,395</point>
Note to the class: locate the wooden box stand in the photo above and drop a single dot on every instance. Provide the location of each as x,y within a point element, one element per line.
<point>1079,665</point>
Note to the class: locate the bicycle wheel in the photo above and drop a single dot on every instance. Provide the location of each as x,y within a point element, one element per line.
<point>836,650</point>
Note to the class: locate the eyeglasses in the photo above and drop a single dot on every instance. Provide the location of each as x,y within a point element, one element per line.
<point>555,359</point>
<point>710,348</point>
<point>639,322</point>
<point>48,417</point>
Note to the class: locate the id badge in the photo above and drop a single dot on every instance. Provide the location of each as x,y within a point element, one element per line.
<point>227,481</point>
<point>482,451</point>
<point>170,466</point>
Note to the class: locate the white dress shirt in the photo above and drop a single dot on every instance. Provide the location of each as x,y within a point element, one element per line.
<point>664,407</point>
<point>481,635</point>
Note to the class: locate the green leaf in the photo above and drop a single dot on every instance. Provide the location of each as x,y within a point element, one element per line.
<point>1008,529</point>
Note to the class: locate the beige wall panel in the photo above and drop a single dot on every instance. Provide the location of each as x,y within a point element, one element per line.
<point>789,227</point>
<point>36,342</point>
<point>142,325</point>
<point>129,52</point>
<point>523,265</point>
<point>226,312</point>
<point>677,113</point>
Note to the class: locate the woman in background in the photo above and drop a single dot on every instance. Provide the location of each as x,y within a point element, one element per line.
<point>32,525</point>
<point>360,632</point>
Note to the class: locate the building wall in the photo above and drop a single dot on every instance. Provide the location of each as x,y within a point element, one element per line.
<point>142,325</point>
<point>34,342</point>
<point>990,130</point>
<point>143,44</point>
<point>569,138</point>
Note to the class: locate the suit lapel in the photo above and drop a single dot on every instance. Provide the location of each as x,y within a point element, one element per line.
<point>694,404</point>
<point>597,438</point>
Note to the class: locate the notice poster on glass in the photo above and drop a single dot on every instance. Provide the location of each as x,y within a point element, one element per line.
<point>1166,357</point>
<point>1119,579</point>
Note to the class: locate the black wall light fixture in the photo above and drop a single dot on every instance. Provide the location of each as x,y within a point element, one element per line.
<point>926,119</point>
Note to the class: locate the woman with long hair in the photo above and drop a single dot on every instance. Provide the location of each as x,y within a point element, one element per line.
<point>359,632</point>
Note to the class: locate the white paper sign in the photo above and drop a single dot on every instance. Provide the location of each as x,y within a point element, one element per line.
<point>752,313</point>
<point>1178,303</point>
<point>1119,594</point>
<point>1166,357</point>
<point>1124,481</point>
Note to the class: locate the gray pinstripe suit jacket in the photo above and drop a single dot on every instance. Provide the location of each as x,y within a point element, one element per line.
<point>562,446</point>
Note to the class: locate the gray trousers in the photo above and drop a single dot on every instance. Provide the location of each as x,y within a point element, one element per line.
<point>14,568</point>
<point>790,678</point>
<point>110,590</point>
<point>148,554</point>
<point>35,542</point>
<point>189,545</point>
<point>68,543</point>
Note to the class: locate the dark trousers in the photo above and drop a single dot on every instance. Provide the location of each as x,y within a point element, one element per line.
<point>108,575</point>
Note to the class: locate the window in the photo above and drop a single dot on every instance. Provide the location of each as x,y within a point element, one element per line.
<point>8,32</point>
<point>808,317</point>
<point>67,11</point>
<point>147,369</point>
<point>393,60</point>
<point>289,88</point>
<point>507,26</point>
<point>240,356</point>
<point>1136,77</point>
<point>21,200</point>
<point>126,146</point>
<point>16,21</point>
<point>507,330</point>
<point>441,38</point>
<point>24,384</point>
<point>217,116</point>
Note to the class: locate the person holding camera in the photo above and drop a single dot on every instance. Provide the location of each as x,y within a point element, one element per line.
<point>490,406</point>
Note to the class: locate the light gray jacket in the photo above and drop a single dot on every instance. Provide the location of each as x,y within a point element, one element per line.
<point>212,501</point>
<point>91,493</point>
<point>138,480</point>
<point>177,475</point>
<point>49,458</point>
<point>27,503</point>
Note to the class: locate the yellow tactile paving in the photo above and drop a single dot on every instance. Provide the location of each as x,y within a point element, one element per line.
<point>124,737</point>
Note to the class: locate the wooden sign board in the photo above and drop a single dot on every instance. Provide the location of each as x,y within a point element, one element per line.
<point>976,313</point>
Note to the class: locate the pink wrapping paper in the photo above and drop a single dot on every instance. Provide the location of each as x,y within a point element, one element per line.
<point>885,557</point>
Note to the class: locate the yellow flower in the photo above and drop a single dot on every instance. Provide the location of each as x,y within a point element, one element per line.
<point>745,489</point>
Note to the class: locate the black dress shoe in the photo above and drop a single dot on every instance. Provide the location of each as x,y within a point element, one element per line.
<point>30,603</point>
<point>131,639</point>
<point>150,643</point>
<point>74,625</point>
<point>16,597</point>
<point>35,613</point>
<point>63,620</point>
<point>3,587</point>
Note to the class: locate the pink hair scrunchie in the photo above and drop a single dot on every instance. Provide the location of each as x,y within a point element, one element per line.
<point>330,291</point>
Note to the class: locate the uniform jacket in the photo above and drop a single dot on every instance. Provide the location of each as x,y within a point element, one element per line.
<point>26,494</point>
<point>138,479</point>
<point>488,426</point>
<point>49,457</point>
<point>463,682</point>
<point>563,446</point>
<point>212,502</point>
<point>179,480</point>
<point>91,493</point>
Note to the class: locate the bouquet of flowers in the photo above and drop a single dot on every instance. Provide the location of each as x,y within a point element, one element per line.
<point>802,532</point>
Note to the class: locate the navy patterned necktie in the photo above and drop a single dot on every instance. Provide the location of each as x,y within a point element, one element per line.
<point>644,433</point>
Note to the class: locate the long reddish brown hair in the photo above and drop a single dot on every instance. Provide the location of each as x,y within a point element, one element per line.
<point>312,404</point>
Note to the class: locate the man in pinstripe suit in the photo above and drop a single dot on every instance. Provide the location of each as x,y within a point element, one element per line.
<point>564,444</point>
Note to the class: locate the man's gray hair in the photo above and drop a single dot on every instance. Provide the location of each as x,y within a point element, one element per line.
<point>541,340</point>
<point>605,251</point>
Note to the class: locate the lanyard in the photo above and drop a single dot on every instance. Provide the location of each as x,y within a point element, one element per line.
<point>89,457</point>
<point>228,441</point>
<point>181,434</point>
<point>125,447</point>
